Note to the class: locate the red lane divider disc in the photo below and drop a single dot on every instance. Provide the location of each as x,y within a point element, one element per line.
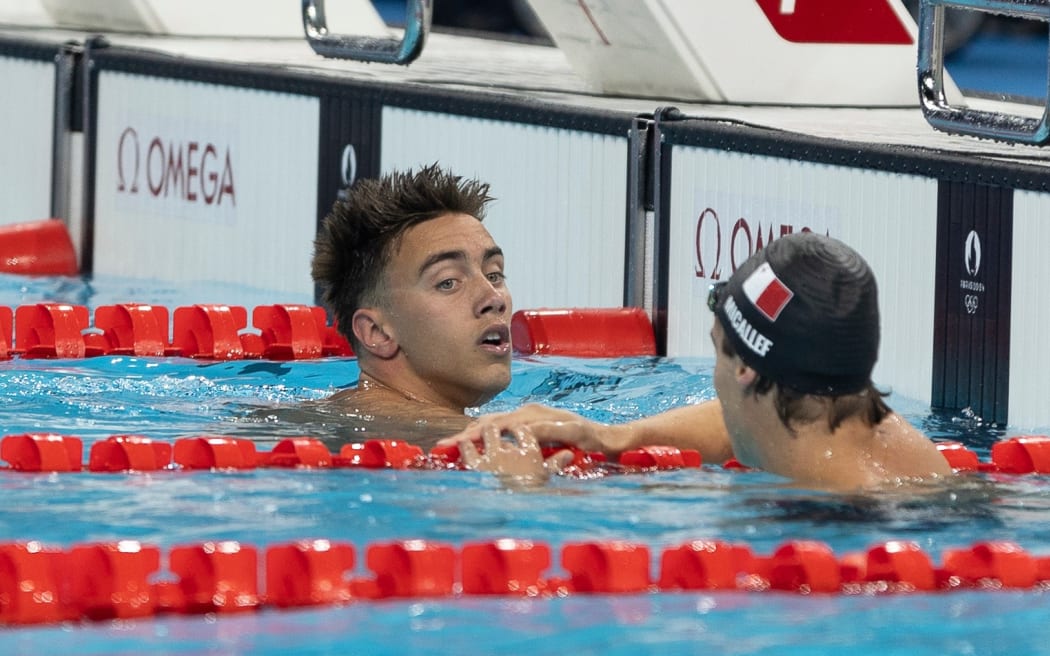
<point>7,343</point>
<point>216,577</point>
<point>607,567</point>
<point>37,248</point>
<point>133,329</point>
<point>129,453</point>
<point>583,332</point>
<point>308,573</point>
<point>51,330</point>
<point>215,452</point>
<point>111,581</point>
<point>1023,454</point>
<point>505,567</point>
<point>39,452</point>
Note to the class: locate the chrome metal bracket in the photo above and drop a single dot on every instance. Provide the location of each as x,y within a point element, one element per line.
<point>368,48</point>
<point>989,124</point>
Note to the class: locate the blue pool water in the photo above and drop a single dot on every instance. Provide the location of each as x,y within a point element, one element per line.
<point>169,398</point>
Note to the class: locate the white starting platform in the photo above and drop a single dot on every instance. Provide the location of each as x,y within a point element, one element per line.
<point>656,147</point>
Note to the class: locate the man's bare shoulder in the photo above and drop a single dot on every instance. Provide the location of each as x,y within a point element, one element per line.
<point>351,416</point>
<point>906,449</point>
<point>897,427</point>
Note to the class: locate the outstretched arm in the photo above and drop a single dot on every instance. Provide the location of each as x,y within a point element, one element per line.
<point>698,427</point>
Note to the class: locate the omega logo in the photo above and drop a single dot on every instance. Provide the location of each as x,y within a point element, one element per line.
<point>972,255</point>
<point>742,240</point>
<point>128,139</point>
<point>190,171</point>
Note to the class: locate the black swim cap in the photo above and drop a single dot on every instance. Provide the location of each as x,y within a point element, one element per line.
<point>804,313</point>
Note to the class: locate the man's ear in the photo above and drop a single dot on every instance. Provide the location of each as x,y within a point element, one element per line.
<point>368,326</point>
<point>745,375</point>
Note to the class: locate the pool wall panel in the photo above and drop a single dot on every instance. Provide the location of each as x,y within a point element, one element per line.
<point>725,205</point>
<point>1029,352</point>
<point>198,181</point>
<point>561,197</point>
<point>26,137</point>
<point>348,147</point>
<point>348,144</point>
<point>971,360</point>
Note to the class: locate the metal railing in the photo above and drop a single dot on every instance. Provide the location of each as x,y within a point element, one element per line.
<point>369,48</point>
<point>941,114</point>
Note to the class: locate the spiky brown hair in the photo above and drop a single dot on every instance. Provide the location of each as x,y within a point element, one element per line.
<point>359,234</point>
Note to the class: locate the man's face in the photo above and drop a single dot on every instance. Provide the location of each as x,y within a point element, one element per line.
<point>449,309</point>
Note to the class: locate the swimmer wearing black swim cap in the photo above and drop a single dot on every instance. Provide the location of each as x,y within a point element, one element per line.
<point>796,338</point>
<point>804,312</point>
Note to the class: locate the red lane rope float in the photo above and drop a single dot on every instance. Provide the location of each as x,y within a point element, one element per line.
<point>127,453</point>
<point>130,329</point>
<point>51,330</point>
<point>37,248</point>
<point>283,332</point>
<point>42,452</point>
<point>583,332</point>
<point>1023,454</point>
<point>6,325</point>
<point>211,332</point>
<point>204,331</point>
<point>48,452</point>
<point>291,332</point>
<point>100,581</point>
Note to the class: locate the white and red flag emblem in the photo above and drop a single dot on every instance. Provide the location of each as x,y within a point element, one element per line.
<point>767,292</point>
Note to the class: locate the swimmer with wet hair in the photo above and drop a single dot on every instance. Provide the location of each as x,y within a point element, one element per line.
<point>416,284</point>
<point>796,338</point>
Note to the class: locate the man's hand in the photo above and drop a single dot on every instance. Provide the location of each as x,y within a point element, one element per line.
<point>546,426</point>
<point>518,462</point>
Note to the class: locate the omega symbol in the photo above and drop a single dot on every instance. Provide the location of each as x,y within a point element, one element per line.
<point>130,138</point>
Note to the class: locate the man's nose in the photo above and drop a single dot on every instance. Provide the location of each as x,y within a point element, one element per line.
<point>494,298</point>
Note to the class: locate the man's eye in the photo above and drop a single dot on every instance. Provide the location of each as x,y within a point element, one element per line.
<point>496,277</point>
<point>447,285</point>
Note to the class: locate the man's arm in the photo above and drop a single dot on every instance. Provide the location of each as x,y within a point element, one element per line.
<point>698,427</point>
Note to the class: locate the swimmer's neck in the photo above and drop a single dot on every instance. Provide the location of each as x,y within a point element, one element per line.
<point>368,383</point>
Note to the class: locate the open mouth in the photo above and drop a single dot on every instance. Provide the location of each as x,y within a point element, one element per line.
<point>497,337</point>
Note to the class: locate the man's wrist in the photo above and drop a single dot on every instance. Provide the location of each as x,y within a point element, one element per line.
<point>618,438</point>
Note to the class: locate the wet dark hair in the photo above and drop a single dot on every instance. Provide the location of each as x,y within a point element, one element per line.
<point>362,229</point>
<point>794,407</point>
